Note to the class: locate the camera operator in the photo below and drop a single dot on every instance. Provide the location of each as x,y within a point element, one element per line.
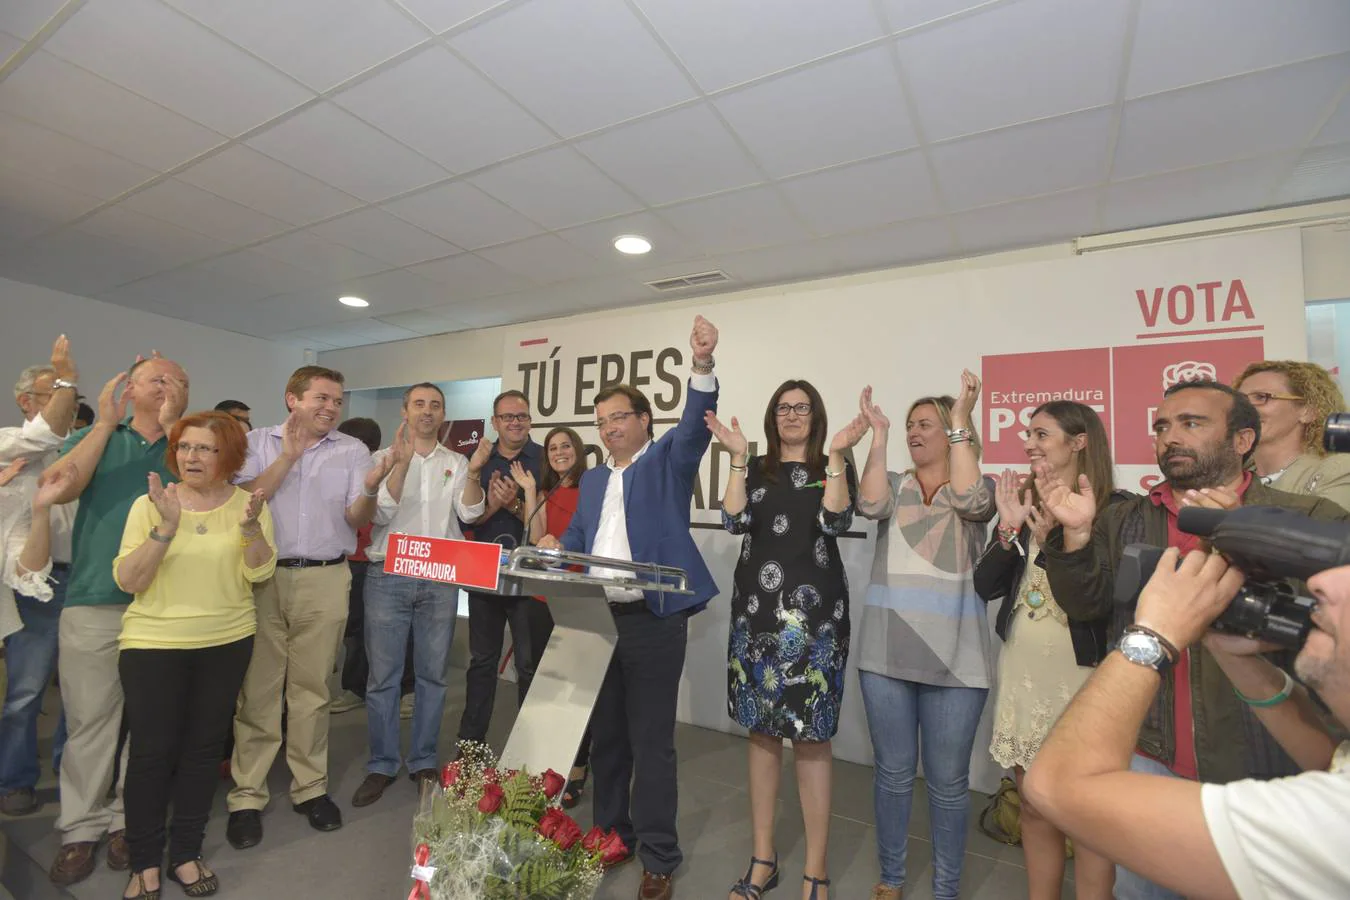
<point>1248,839</point>
<point>1204,434</point>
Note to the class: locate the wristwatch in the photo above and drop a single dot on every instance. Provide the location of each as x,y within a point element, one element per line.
<point>1145,648</point>
<point>59,383</point>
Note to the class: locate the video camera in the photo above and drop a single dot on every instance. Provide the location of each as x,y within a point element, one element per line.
<point>1271,546</point>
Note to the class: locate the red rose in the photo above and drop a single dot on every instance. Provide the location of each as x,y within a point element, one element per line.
<point>449,774</point>
<point>612,849</point>
<point>593,839</point>
<point>490,775</point>
<point>553,783</point>
<point>551,821</point>
<point>568,833</point>
<point>492,798</point>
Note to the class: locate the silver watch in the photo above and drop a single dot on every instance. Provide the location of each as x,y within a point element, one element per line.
<point>1144,649</point>
<point>59,383</point>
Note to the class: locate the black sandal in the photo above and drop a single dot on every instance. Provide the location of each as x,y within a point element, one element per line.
<point>575,789</point>
<point>144,892</point>
<point>816,884</point>
<point>206,884</point>
<point>747,888</point>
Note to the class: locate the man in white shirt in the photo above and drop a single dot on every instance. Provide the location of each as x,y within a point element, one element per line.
<point>1254,840</point>
<point>423,495</point>
<point>46,395</point>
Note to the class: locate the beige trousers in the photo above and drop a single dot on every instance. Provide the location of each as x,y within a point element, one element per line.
<point>91,695</point>
<point>301,616</point>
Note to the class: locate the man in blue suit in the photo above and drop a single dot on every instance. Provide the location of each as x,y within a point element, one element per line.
<point>637,507</point>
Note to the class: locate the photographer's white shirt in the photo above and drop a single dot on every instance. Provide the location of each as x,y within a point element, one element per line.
<point>1285,838</point>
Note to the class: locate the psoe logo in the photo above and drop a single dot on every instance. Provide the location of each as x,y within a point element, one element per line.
<point>1188,370</point>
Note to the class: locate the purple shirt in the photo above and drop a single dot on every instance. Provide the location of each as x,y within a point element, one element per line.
<point>309,510</point>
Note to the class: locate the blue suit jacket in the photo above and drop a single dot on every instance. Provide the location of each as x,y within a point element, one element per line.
<point>657,491</point>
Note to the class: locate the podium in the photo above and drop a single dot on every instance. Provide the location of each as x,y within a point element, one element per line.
<point>567,679</point>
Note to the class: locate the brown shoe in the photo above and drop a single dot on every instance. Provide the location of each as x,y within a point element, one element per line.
<point>886,892</point>
<point>119,852</point>
<point>19,802</point>
<point>73,864</point>
<point>656,887</point>
<point>371,789</point>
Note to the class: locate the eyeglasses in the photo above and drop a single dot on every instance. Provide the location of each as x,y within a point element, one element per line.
<point>617,418</point>
<point>513,418</point>
<point>1261,398</point>
<point>801,409</point>
<point>199,449</point>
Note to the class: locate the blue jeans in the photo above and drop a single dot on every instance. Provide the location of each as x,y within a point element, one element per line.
<point>30,657</point>
<point>395,606</point>
<point>1130,886</point>
<point>900,714</point>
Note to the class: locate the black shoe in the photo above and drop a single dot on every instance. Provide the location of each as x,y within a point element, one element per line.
<point>430,776</point>
<point>244,829</point>
<point>322,812</point>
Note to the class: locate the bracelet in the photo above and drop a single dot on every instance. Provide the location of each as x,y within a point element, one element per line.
<point>704,368</point>
<point>156,536</point>
<point>736,468</point>
<point>957,435</point>
<point>829,474</point>
<point>1279,698</point>
<point>1006,534</point>
<point>1168,647</point>
<point>365,493</point>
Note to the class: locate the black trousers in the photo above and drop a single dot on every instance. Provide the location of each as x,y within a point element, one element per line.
<point>180,707</point>
<point>489,614</point>
<point>633,726</point>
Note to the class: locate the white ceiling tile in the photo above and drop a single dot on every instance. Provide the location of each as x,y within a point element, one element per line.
<point>674,156</point>
<point>1245,116</point>
<point>893,245</point>
<point>1025,160</point>
<point>18,225</point>
<point>555,301</point>
<point>445,110</point>
<point>319,42</point>
<point>378,234</point>
<point>543,259</point>
<point>597,239</point>
<point>272,275</point>
<point>77,166</point>
<point>190,287</point>
<point>442,15</point>
<point>260,182</point>
<point>463,215</point>
<point>9,45</point>
<point>905,14</point>
<point>24,18</point>
<point>191,207</point>
<point>1321,173</point>
<point>348,154</point>
<point>840,111</point>
<point>359,336</point>
<point>424,322</point>
<point>1178,44</point>
<point>52,92</point>
<point>608,67</point>
<point>159,54</point>
<point>77,263</point>
<point>728,222</point>
<point>727,43</point>
<point>301,338</point>
<point>1036,58</point>
<point>1194,193</point>
<point>171,245</point>
<point>556,188</point>
<point>53,200</point>
<point>468,276</point>
<point>864,195</point>
<point>313,254</point>
<point>396,291</point>
<point>1026,223</point>
<point>1337,128</point>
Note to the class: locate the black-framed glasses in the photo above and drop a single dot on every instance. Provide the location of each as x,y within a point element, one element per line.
<point>513,418</point>
<point>801,409</point>
<point>614,418</point>
<point>199,449</point>
<point>1261,398</point>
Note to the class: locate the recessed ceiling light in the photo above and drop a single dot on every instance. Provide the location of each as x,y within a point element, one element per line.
<point>634,244</point>
<point>352,301</point>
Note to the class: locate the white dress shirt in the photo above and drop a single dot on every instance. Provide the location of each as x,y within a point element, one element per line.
<point>611,536</point>
<point>432,502</point>
<point>35,441</point>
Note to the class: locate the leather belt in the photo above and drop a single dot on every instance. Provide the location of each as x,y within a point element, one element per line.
<point>292,562</point>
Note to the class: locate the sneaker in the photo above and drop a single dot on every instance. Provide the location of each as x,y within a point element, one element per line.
<point>19,802</point>
<point>405,706</point>
<point>345,702</point>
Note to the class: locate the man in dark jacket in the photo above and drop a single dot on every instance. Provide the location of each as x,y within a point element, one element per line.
<point>1204,433</point>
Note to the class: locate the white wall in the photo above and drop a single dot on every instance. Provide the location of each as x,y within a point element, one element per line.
<point>468,399</point>
<point>106,338</point>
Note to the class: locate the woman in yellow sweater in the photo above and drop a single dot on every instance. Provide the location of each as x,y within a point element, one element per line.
<point>191,553</point>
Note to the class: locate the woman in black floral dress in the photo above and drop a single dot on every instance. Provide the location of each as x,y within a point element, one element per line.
<point>789,614</point>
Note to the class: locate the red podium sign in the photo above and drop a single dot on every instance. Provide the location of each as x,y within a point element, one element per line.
<point>470,564</point>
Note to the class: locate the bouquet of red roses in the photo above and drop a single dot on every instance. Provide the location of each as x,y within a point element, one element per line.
<point>495,834</point>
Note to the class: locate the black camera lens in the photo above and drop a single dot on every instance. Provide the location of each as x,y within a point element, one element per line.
<point>1336,439</point>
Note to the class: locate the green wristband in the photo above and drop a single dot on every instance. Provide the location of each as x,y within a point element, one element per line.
<point>1279,698</point>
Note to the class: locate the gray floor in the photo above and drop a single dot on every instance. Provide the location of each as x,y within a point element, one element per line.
<point>370,855</point>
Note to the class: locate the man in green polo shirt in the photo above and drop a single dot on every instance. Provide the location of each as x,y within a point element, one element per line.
<point>112,460</point>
